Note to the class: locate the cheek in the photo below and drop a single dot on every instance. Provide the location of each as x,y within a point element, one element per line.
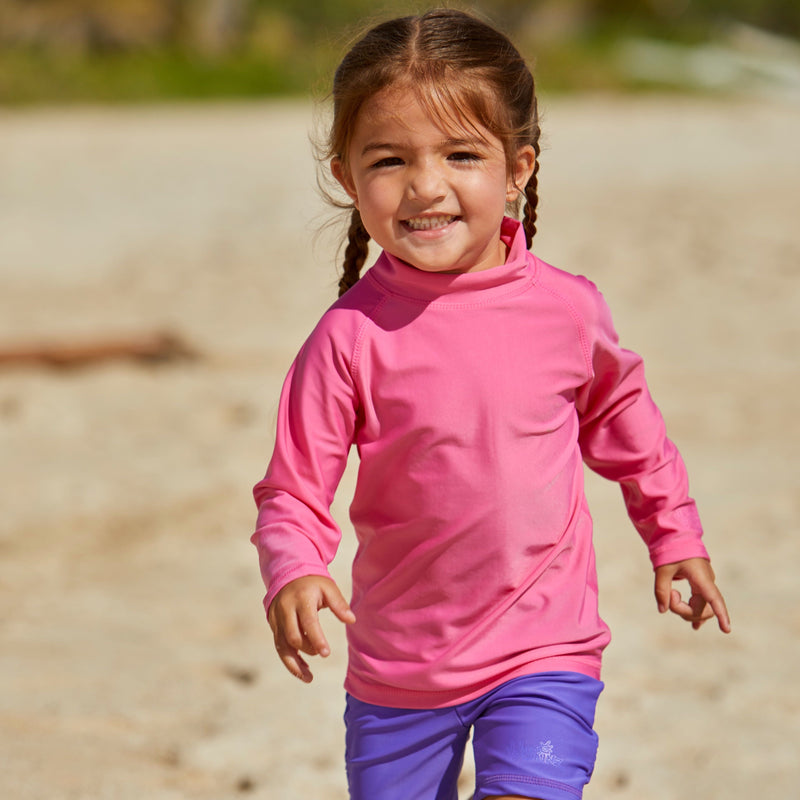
<point>493,184</point>
<point>377,199</point>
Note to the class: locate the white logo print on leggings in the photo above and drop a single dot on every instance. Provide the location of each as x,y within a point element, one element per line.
<point>545,753</point>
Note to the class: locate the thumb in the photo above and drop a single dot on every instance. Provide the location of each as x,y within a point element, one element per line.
<point>334,600</point>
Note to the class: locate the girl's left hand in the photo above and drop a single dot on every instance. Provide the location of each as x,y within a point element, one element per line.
<point>706,600</point>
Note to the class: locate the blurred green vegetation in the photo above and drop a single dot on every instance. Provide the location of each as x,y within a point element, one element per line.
<point>133,50</point>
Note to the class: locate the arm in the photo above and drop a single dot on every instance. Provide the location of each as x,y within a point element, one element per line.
<point>623,438</point>
<point>296,535</point>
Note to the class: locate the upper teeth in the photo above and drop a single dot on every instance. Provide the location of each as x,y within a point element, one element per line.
<point>428,223</point>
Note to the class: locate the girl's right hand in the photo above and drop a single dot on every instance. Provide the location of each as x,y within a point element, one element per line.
<point>294,618</point>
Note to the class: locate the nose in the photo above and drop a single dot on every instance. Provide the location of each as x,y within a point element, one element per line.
<point>427,184</point>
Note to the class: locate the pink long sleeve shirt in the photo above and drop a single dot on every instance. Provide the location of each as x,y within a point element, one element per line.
<point>473,400</point>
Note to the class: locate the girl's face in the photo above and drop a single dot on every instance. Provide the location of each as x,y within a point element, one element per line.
<point>431,196</point>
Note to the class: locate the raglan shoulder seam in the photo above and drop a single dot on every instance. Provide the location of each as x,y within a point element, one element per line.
<point>577,317</point>
<point>358,339</point>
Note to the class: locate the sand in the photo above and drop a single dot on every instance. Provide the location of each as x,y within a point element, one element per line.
<point>135,661</point>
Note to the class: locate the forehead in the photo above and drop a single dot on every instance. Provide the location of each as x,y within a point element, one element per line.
<point>417,113</point>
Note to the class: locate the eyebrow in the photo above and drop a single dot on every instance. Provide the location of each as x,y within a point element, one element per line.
<point>474,142</point>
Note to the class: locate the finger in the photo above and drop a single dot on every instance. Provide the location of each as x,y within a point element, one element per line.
<point>313,639</point>
<point>700,607</point>
<point>295,617</point>
<point>717,608</point>
<point>334,600</point>
<point>292,660</point>
<point>689,611</point>
<point>663,587</point>
<point>722,615</point>
<point>677,605</point>
<point>713,601</point>
<point>288,629</point>
<point>701,611</point>
<point>697,611</point>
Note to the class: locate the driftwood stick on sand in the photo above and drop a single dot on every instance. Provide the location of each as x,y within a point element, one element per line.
<point>150,348</point>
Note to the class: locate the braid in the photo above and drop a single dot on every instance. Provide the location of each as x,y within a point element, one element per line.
<point>355,253</point>
<point>532,187</point>
<point>532,198</point>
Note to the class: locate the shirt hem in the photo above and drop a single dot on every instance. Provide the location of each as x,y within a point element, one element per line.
<point>396,697</point>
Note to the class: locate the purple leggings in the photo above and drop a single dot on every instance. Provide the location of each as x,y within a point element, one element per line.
<point>532,737</point>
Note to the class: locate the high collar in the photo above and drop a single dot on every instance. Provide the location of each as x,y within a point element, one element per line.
<point>399,278</point>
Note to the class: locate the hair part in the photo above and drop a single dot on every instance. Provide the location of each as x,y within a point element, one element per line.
<point>470,77</point>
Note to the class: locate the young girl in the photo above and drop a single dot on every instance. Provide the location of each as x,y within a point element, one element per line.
<point>474,381</point>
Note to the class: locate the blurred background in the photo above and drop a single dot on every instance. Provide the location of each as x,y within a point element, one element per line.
<point>122,50</point>
<point>164,251</point>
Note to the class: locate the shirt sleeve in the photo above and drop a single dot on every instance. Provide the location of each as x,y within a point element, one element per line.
<point>295,533</point>
<point>623,438</point>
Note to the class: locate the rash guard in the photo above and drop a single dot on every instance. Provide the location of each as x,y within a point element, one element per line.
<point>473,400</point>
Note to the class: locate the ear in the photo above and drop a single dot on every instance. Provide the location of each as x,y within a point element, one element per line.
<point>343,176</point>
<point>523,169</point>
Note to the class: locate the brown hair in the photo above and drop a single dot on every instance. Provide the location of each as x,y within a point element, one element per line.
<point>462,69</point>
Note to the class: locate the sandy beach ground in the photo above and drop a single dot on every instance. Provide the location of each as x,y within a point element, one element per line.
<point>135,661</point>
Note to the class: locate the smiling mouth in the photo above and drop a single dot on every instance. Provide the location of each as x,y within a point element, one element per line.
<point>429,223</point>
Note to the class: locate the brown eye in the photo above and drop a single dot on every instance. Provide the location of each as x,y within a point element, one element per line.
<point>464,156</point>
<point>391,161</point>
